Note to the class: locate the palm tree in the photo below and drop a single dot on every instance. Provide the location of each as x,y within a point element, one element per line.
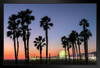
<point>46,25</point>
<point>25,19</point>
<point>85,34</point>
<point>68,47</point>
<point>12,33</point>
<point>72,39</point>
<point>72,46</point>
<point>79,41</point>
<point>39,43</point>
<point>64,42</point>
<point>29,18</point>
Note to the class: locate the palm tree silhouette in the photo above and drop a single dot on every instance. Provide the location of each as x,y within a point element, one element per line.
<point>85,34</point>
<point>39,43</point>
<point>46,25</point>
<point>28,21</point>
<point>25,19</point>
<point>72,39</point>
<point>14,33</point>
<point>64,42</point>
<point>68,47</point>
<point>79,41</point>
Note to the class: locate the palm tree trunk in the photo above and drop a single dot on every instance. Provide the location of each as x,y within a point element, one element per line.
<point>46,46</point>
<point>28,44</point>
<point>69,55</point>
<point>28,49</point>
<point>85,46</point>
<point>25,49</point>
<point>79,52</point>
<point>74,53</point>
<point>24,40</point>
<point>15,49</point>
<point>40,55</point>
<point>86,51</point>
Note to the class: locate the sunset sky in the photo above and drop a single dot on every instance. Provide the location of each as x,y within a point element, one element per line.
<point>65,18</point>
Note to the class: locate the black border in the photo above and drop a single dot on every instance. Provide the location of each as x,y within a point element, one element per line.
<point>2,2</point>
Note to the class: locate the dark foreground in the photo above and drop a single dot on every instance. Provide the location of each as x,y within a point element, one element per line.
<point>53,62</point>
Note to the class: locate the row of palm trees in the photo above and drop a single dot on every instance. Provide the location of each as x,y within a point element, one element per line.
<point>39,41</point>
<point>75,39</point>
<point>18,26</point>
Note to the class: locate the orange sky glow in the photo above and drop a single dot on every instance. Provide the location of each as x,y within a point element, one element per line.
<point>9,51</point>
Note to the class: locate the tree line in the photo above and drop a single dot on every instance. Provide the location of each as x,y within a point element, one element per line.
<point>75,39</point>
<point>18,26</point>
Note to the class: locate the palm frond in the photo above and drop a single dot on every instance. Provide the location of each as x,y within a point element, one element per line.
<point>35,44</point>
<point>32,18</point>
<point>49,19</point>
<point>36,39</point>
<point>87,24</point>
<point>43,39</point>
<point>43,44</point>
<point>84,22</point>
<point>89,33</point>
<point>50,24</point>
<point>40,38</point>
<point>9,27</point>
<point>28,11</point>
<point>9,33</point>
<point>64,41</point>
<point>80,23</point>
<point>10,22</point>
<point>38,47</point>
<point>10,18</point>
<point>45,18</point>
<point>41,23</point>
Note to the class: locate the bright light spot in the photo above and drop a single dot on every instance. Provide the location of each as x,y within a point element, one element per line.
<point>62,54</point>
